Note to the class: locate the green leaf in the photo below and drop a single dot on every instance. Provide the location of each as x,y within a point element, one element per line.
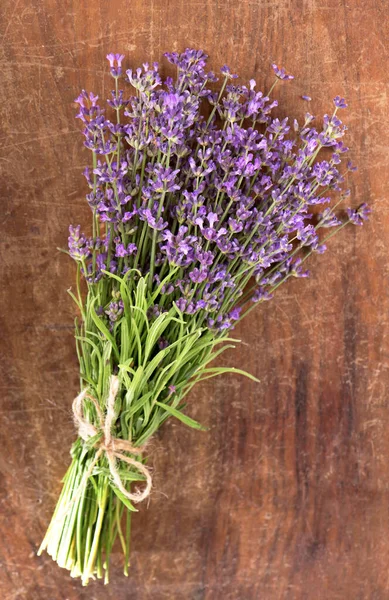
<point>123,499</point>
<point>73,297</point>
<point>93,482</point>
<point>163,282</point>
<point>214,355</point>
<point>132,389</point>
<point>124,340</point>
<point>139,403</point>
<point>126,366</point>
<point>124,475</point>
<point>155,362</point>
<point>140,294</point>
<point>137,341</point>
<point>104,329</point>
<point>152,427</point>
<point>184,418</point>
<point>99,358</point>
<point>221,370</point>
<point>157,328</point>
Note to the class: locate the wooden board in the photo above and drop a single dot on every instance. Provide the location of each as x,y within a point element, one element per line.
<point>287,496</point>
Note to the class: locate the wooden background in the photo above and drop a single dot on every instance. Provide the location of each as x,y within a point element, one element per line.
<point>287,496</point>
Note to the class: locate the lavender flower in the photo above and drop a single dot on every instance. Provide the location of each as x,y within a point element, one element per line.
<point>226,71</point>
<point>328,219</point>
<point>340,102</point>
<point>281,73</point>
<point>77,243</point>
<point>358,216</point>
<point>115,63</point>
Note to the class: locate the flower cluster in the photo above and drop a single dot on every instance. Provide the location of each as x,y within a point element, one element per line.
<point>209,186</point>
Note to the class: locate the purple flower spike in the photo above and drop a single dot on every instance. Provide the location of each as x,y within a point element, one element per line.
<point>77,243</point>
<point>120,251</point>
<point>281,73</point>
<point>115,63</point>
<point>328,219</point>
<point>340,102</point>
<point>358,216</point>
<point>225,70</point>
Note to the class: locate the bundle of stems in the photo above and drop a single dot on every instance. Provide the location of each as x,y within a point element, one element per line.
<point>88,516</point>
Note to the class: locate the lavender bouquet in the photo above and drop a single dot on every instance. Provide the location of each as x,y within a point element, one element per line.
<point>202,205</point>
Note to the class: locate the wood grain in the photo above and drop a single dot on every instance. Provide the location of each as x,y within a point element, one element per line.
<point>287,497</point>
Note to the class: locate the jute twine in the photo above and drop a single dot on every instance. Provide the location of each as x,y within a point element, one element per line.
<point>111,446</point>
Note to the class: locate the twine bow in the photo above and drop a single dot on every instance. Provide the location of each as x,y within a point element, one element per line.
<point>111,446</point>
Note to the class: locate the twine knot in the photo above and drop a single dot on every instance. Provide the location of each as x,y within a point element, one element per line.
<point>111,446</point>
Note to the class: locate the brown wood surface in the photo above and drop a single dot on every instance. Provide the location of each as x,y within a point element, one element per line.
<point>287,495</point>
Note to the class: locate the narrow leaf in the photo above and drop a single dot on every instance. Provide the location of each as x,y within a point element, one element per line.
<point>184,418</point>
<point>123,499</point>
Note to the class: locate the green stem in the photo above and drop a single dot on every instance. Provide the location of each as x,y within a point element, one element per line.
<point>90,567</point>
